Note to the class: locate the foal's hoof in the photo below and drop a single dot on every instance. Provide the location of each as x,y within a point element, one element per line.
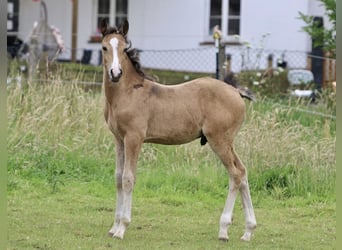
<point>223,236</point>
<point>112,231</point>
<point>118,232</point>
<point>246,236</point>
<point>119,235</point>
<point>223,239</point>
<point>115,232</point>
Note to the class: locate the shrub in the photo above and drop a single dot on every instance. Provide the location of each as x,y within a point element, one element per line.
<point>265,83</point>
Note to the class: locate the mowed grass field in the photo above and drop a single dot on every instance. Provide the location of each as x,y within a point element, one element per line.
<point>61,183</point>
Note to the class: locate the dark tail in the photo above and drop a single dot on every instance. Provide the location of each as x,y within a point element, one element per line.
<point>244,91</point>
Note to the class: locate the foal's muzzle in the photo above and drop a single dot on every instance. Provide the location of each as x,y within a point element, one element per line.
<point>115,78</point>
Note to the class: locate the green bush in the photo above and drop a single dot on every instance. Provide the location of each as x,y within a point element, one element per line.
<point>265,83</point>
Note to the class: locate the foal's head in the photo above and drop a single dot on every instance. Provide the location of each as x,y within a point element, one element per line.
<point>114,49</point>
<point>117,52</point>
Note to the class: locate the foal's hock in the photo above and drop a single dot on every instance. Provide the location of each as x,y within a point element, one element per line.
<point>138,110</point>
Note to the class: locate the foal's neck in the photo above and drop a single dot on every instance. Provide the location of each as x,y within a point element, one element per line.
<point>129,80</point>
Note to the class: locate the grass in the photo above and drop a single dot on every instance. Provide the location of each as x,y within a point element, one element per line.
<point>61,184</point>
<point>80,214</point>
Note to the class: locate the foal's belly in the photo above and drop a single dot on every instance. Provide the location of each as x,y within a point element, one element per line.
<point>171,141</point>
<point>172,133</point>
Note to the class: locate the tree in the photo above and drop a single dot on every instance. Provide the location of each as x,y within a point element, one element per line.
<point>323,37</point>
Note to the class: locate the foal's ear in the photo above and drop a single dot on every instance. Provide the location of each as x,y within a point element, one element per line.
<point>124,28</point>
<point>103,27</point>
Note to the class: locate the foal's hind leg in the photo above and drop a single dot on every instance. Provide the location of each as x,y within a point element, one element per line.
<point>237,181</point>
<point>246,202</point>
<point>227,214</point>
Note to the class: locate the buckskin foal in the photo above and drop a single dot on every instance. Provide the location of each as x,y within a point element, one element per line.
<point>138,110</point>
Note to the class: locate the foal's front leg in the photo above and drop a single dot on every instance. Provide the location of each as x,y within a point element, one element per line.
<point>120,161</point>
<point>132,146</point>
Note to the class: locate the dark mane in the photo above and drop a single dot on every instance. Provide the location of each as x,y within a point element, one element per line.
<point>133,55</point>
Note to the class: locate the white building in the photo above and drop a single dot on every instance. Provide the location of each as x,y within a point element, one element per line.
<point>179,25</point>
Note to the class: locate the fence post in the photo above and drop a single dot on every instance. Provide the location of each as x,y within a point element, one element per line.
<point>270,65</point>
<point>74,30</point>
<point>217,34</point>
<point>329,70</point>
<point>308,62</point>
<point>228,63</point>
<point>217,65</point>
<point>222,60</point>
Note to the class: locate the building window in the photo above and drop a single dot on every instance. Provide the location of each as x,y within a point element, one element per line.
<point>114,11</point>
<point>121,11</point>
<point>226,14</point>
<point>12,16</point>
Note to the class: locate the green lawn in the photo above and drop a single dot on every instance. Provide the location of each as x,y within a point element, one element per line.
<point>79,215</point>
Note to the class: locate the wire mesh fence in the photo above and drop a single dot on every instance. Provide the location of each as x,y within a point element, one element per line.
<point>236,59</point>
<point>176,66</point>
<point>191,60</point>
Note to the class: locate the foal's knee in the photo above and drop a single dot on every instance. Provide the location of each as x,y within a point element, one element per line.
<point>128,181</point>
<point>118,178</point>
<point>238,177</point>
<point>244,183</point>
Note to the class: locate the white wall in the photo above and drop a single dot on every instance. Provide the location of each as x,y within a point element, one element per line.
<point>168,24</point>
<point>179,24</point>
<point>279,19</point>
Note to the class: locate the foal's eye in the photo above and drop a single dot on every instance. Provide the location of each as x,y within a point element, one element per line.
<point>104,48</point>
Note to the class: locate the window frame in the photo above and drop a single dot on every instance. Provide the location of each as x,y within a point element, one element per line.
<point>225,17</point>
<point>12,17</point>
<point>112,14</point>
